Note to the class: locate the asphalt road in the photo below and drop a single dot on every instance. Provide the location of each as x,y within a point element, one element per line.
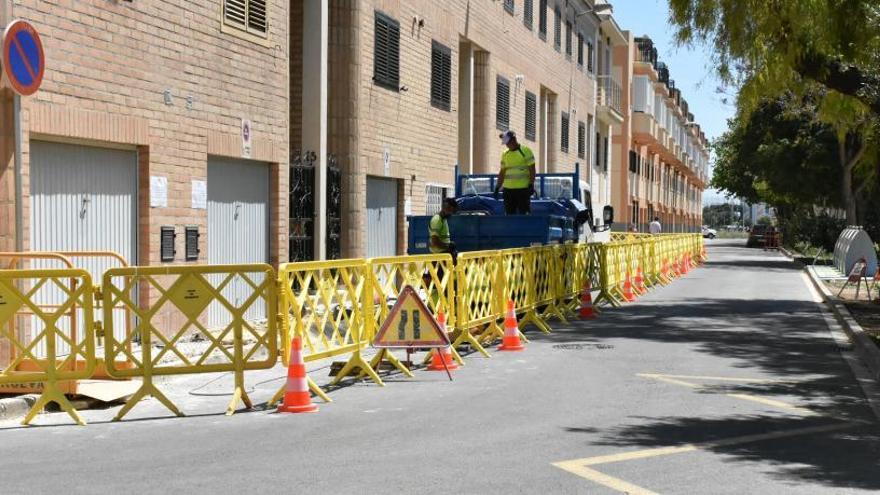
<point>727,381</point>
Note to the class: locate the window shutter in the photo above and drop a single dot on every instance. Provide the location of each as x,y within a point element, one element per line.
<point>582,140</point>
<point>509,6</point>
<point>386,52</point>
<point>235,12</point>
<point>568,39</point>
<point>531,115</point>
<point>527,13</point>
<point>564,140</point>
<point>557,30</point>
<point>441,76</point>
<point>542,19</point>
<point>580,50</point>
<point>605,155</point>
<point>502,104</point>
<point>257,15</point>
<point>591,54</point>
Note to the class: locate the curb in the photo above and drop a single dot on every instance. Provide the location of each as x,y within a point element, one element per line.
<point>16,407</point>
<point>862,343</point>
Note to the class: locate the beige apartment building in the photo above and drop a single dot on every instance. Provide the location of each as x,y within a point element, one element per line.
<point>160,132</point>
<point>416,87</point>
<point>661,156</point>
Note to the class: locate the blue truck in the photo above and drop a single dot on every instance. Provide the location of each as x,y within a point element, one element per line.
<point>562,211</point>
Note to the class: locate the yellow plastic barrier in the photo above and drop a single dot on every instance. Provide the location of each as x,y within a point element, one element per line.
<point>520,284</point>
<point>479,294</point>
<point>430,275</point>
<point>187,319</point>
<point>47,337</point>
<point>327,304</point>
<point>549,286</point>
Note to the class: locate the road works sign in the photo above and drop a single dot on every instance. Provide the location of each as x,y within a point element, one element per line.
<point>23,59</point>
<point>410,324</point>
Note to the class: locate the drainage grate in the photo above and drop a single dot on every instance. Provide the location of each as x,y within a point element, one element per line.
<point>581,347</point>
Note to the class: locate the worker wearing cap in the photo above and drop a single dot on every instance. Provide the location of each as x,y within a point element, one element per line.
<point>517,176</point>
<point>438,229</point>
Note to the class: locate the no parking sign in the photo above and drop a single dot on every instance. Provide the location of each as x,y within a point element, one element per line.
<point>23,60</point>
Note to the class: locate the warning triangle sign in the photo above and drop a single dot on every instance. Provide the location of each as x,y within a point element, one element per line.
<point>410,324</point>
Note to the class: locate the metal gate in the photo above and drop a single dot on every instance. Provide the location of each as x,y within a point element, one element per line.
<point>381,229</point>
<point>302,207</point>
<point>238,225</point>
<point>83,198</point>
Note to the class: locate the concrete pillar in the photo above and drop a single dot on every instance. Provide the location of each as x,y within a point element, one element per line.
<point>314,108</point>
<point>486,158</point>
<point>466,108</point>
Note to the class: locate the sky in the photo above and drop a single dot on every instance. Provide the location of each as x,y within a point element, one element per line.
<point>690,67</point>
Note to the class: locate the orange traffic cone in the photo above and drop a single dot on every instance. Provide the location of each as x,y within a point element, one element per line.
<point>664,269</point>
<point>443,354</point>
<point>628,295</point>
<point>685,263</point>
<point>640,287</point>
<point>511,340</point>
<point>704,257</point>
<point>586,310</point>
<point>297,398</point>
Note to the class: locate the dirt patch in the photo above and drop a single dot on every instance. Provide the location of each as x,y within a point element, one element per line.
<point>867,314</point>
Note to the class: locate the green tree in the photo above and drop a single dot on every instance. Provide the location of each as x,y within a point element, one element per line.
<point>827,49</point>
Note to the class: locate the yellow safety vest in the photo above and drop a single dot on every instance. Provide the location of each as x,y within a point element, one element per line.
<point>516,165</point>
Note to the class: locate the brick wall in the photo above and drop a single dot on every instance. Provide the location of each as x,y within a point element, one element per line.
<point>108,64</point>
<point>421,140</point>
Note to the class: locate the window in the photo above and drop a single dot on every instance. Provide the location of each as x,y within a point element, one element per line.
<point>632,161</point>
<point>580,50</point>
<point>568,39</point>
<point>598,150</point>
<point>531,115</point>
<point>527,14</point>
<point>605,154</point>
<point>582,140</point>
<point>434,196</point>
<point>564,133</point>
<point>542,19</point>
<point>591,55</point>
<point>557,29</point>
<point>509,6</point>
<point>247,15</point>
<point>386,52</point>
<point>441,76</point>
<point>502,103</point>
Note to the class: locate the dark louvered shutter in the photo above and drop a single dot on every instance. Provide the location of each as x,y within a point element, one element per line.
<point>542,19</point>
<point>564,133</point>
<point>557,30</point>
<point>580,50</point>
<point>509,6</point>
<point>386,52</point>
<point>568,39</point>
<point>502,105</point>
<point>531,114</point>
<point>582,140</point>
<point>441,76</point>
<point>527,13</point>
<point>590,56</point>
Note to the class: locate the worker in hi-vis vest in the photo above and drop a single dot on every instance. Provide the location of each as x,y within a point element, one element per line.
<point>517,176</point>
<point>440,241</point>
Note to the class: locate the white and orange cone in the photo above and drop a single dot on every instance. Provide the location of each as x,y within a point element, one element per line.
<point>628,295</point>
<point>297,398</point>
<point>640,287</point>
<point>511,341</point>
<point>443,354</point>
<point>586,310</point>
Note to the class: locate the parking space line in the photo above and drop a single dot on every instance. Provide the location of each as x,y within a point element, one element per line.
<point>716,378</point>
<point>775,403</point>
<point>604,479</point>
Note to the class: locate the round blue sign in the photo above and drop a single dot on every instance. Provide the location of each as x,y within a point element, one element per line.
<point>23,59</point>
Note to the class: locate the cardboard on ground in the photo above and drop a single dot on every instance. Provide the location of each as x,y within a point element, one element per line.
<point>410,324</point>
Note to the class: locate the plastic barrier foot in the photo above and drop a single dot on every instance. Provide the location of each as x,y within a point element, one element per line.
<point>52,394</point>
<point>239,395</point>
<point>357,362</point>
<point>386,355</point>
<point>536,320</point>
<point>467,338</point>
<point>147,390</point>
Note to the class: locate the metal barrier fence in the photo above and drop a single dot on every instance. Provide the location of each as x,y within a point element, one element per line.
<point>172,320</point>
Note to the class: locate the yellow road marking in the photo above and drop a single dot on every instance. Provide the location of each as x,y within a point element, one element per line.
<point>579,466</point>
<point>748,397</point>
<point>715,378</point>
<point>603,479</point>
<point>775,403</point>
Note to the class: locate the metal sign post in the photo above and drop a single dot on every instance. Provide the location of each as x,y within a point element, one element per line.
<point>24,63</point>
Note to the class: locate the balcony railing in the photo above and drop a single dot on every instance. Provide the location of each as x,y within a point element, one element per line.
<point>610,93</point>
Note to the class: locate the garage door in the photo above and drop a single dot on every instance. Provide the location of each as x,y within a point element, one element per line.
<point>238,225</point>
<point>381,217</point>
<point>83,198</point>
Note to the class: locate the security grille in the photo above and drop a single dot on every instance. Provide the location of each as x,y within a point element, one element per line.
<point>564,133</point>
<point>247,15</point>
<point>502,105</point>
<point>434,196</point>
<point>386,52</point>
<point>441,76</point>
<point>531,115</point>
